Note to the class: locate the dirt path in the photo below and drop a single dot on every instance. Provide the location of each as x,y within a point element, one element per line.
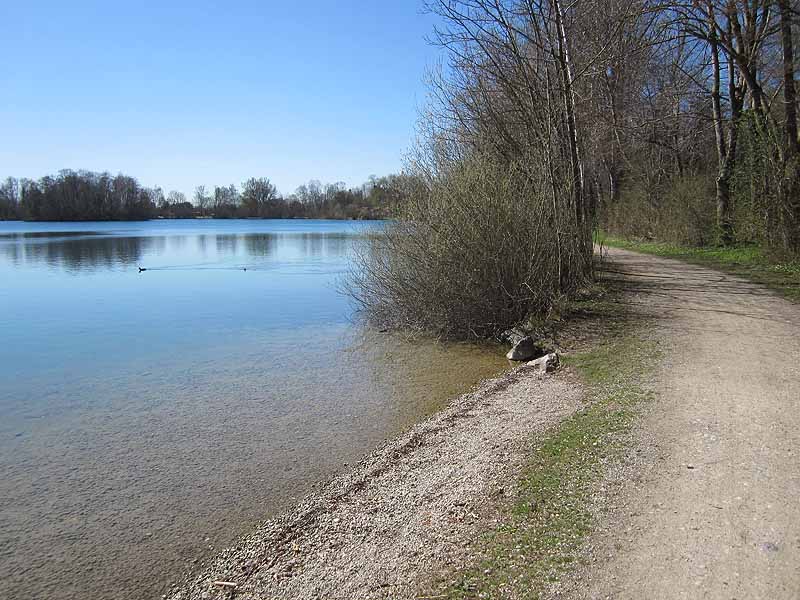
<point>711,509</point>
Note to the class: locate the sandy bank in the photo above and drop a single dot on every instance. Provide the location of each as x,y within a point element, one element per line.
<point>405,515</point>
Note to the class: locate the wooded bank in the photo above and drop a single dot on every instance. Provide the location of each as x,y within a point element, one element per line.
<point>663,120</point>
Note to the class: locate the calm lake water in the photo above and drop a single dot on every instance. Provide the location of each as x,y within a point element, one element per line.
<point>148,419</point>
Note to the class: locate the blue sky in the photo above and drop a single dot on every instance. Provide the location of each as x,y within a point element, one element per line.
<point>184,93</point>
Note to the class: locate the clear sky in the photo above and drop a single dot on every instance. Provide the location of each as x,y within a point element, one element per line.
<point>181,93</point>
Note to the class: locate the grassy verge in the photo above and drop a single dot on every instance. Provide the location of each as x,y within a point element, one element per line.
<point>749,262</point>
<point>544,524</point>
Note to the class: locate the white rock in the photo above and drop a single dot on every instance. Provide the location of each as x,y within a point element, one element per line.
<point>546,364</point>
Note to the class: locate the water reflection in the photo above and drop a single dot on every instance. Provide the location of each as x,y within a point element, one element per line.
<point>77,254</point>
<point>226,244</point>
<point>91,251</point>
<point>334,244</point>
<point>260,244</point>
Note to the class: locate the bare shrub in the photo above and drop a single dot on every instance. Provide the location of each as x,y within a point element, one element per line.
<point>502,226</point>
<point>683,212</point>
<point>479,250</point>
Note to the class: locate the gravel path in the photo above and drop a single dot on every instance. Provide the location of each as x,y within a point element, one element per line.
<point>407,513</point>
<point>710,505</point>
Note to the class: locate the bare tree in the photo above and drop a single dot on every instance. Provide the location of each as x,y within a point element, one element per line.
<point>201,199</point>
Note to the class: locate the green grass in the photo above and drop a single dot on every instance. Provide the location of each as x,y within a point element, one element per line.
<point>544,525</point>
<point>749,262</point>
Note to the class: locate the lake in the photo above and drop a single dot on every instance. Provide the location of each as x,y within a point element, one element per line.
<point>147,419</point>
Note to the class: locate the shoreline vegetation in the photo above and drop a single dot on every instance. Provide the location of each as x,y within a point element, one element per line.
<point>89,196</point>
<point>674,121</point>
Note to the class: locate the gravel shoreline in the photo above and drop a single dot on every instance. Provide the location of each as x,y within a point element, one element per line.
<point>407,515</point>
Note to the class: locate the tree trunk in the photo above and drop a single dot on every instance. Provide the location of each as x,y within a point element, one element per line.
<point>791,171</point>
<point>565,63</point>
<point>789,90</point>
<point>724,219</point>
<point>613,185</point>
<point>724,159</point>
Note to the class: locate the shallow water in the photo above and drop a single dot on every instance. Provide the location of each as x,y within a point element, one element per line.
<point>149,418</point>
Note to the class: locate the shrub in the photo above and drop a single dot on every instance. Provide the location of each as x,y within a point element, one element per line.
<point>683,212</point>
<point>480,249</point>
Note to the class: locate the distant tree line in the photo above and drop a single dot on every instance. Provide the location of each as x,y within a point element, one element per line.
<point>76,196</point>
<point>88,196</point>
